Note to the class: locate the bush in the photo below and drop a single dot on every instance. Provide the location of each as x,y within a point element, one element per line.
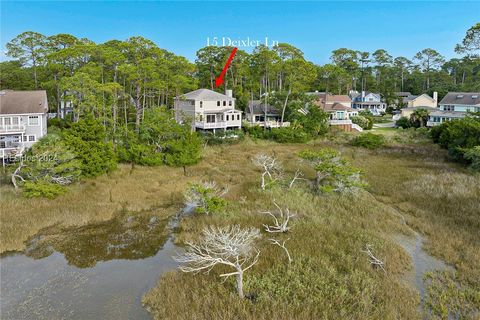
<point>369,141</point>
<point>473,156</point>
<point>288,135</point>
<point>87,139</point>
<point>403,122</point>
<point>205,197</point>
<point>363,122</point>
<point>368,115</point>
<point>42,189</point>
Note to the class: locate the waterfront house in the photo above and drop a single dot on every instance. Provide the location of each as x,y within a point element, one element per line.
<point>208,110</point>
<point>455,105</point>
<point>23,120</point>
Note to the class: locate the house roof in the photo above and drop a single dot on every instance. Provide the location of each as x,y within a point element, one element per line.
<point>259,107</point>
<point>204,95</point>
<point>22,102</point>
<point>331,107</point>
<point>467,98</point>
<point>450,114</point>
<point>403,94</point>
<point>422,95</point>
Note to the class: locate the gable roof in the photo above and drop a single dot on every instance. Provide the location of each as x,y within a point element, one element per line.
<point>258,107</point>
<point>336,107</point>
<point>467,98</point>
<point>403,94</point>
<point>422,95</point>
<point>23,102</point>
<point>205,95</point>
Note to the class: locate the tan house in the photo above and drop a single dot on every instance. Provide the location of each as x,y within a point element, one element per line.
<point>339,109</point>
<point>423,100</point>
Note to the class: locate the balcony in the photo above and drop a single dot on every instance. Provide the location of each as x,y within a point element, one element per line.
<point>218,124</point>
<point>12,128</point>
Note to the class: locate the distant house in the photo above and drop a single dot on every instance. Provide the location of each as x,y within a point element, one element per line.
<point>423,100</point>
<point>370,101</point>
<point>208,110</point>
<point>260,114</point>
<point>454,105</point>
<point>339,110</point>
<point>23,120</point>
<point>407,112</point>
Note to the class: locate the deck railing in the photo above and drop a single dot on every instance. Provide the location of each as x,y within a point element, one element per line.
<point>6,128</point>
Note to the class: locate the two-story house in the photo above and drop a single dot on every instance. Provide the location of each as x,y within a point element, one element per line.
<point>23,120</point>
<point>339,110</point>
<point>454,105</point>
<point>368,101</point>
<point>208,110</point>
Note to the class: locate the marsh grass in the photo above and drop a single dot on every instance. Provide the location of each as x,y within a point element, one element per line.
<point>330,277</point>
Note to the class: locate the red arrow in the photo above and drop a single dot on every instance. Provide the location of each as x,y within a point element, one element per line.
<point>219,79</point>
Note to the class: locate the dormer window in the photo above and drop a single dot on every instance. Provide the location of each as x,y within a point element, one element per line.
<point>460,96</point>
<point>474,96</point>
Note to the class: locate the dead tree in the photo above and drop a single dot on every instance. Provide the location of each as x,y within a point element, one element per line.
<point>297,176</point>
<point>16,174</point>
<point>271,169</point>
<point>374,261</point>
<point>280,220</point>
<point>230,246</point>
<point>282,245</point>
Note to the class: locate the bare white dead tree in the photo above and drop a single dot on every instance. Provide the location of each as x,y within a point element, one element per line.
<point>280,220</point>
<point>374,261</point>
<point>16,174</point>
<point>230,246</point>
<point>282,245</point>
<point>297,176</point>
<point>200,195</point>
<point>270,167</point>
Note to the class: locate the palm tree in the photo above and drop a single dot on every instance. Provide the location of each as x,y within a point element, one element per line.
<point>419,116</point>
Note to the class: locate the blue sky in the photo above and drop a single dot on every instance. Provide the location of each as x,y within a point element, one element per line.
<point>317,28</point>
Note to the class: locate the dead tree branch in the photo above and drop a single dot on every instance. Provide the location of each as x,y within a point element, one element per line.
<point>280,220</point>
<point>374,261</point>
<point>282,245</point>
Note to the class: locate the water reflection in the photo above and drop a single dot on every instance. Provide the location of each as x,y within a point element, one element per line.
<point>126,236</point>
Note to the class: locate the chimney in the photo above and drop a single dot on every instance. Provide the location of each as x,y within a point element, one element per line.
<point>229,93</point>
<point>435,97</point>
<point>363,94</point>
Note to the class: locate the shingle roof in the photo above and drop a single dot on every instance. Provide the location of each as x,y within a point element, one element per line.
<point>467,98</point>
<point>205,95</point>
<point>403,94</point>
<point>336,106</point>
<point>22,102</point>
<point>450,114</point>
<point>258,107</point>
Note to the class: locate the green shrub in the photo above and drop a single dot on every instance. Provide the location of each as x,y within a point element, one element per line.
<point>42,189</point>
<point>333,173</point>
<point>288,135</point>
<point>223,137</point>
<point>363,122</point>
<point>403,122</point>
<point>369,141</point>
<point>87,139</point>
<point>473,156</point>
<point>205,197</point>
<point>368,115</point>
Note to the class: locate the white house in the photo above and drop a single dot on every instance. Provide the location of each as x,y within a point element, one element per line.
<point>208,110</point>
<point>23,120</point>
<point>339,110</point>
<point>454,105</point>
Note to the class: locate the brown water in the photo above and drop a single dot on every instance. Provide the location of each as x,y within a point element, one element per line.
<point>99,271</point>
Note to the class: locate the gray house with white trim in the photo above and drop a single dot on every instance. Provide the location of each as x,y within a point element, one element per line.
<point>23,120</point>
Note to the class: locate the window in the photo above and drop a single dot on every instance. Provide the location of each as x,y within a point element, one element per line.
<point>449,108</point>
<point>238,117</point>
<point>201,104</point>
<point>210,118</point>
<point>224,103</point>
<point>33,121</point>
<point>31,138</point>
<point>7,121</point>
<point>230,103</point>
<point>218,103</point>
<point>475,96</point>
<point>25,138</point>
<point>228,117</point>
